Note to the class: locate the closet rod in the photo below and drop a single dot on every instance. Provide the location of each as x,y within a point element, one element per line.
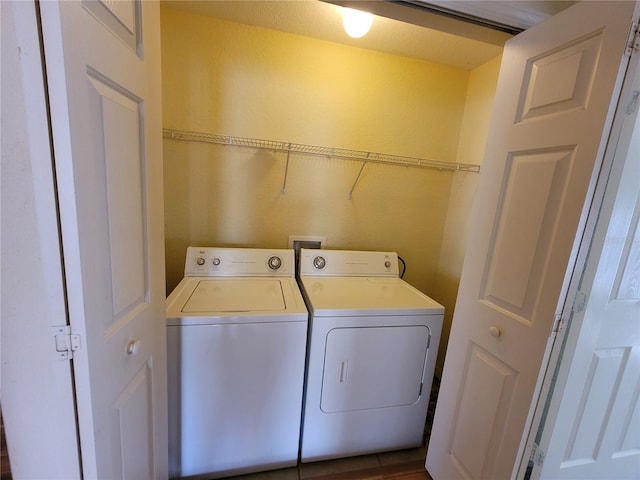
<point>343,153</point>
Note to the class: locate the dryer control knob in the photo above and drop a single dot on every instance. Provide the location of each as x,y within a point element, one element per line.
<point>387,264</point>
<point>200,261</point>
<point>216,261</point>
<point>274,262</point>
<point>319,262</point>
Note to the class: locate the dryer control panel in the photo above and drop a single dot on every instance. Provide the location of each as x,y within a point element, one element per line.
<point>348,263</point>
<point>249,262</point>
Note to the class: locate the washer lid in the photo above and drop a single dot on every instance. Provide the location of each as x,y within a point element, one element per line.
<point>233,295</point>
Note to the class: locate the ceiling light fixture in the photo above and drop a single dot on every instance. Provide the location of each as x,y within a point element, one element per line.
<point>356,23</point>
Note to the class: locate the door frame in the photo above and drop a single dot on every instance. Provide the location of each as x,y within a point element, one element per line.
<point>568,327</point>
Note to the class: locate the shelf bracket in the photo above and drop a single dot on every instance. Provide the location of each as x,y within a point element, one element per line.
<point>364,162</point>
<point>286,170</point>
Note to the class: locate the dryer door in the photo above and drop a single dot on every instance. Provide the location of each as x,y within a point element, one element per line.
<point>373,367</point>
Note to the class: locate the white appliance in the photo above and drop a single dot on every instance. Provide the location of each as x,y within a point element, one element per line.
<point>236,335</point>
<point>372,350</point>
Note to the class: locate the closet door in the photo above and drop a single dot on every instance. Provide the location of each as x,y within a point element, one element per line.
<point>103,72</point>
<point>558,86</point>
<point>35,381</point>
<point>594,432</point>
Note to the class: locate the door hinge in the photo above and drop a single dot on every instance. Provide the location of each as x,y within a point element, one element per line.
<point>633,41</point>
<point>65,342</point>
<point>579,302</point>
<point>632,106</point>
<point>537,456</point>
<point>429,341</point>
<point>558,324</point>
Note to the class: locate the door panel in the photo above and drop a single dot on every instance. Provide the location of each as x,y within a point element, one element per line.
<point>594,407</point>
<point>103,75</point>
<point>560,80</point>
<point>558,83</point>
<point>122,17</point>
<point>487,391</point>
<point>532,190</point>
<point>119,123</point>
<point>133,424</point>
<point>627,281</point>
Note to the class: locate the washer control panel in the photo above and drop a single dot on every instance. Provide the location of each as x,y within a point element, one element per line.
<point>348,263</point>
<point>212,262</point>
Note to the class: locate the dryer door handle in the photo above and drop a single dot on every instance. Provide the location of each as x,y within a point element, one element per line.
<point>342,371</point>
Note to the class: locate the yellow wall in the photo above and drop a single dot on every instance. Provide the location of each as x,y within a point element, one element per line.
<point>475,128</point>
<point>224,77</point>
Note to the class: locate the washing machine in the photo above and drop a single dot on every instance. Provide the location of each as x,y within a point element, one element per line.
<point>236,341</point>
<point>372,350</point>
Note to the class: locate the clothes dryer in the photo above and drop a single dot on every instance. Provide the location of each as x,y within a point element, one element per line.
<point>372,350</point>
<point>236,333</point>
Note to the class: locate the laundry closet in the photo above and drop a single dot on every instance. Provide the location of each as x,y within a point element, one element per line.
<point>225,78</point>
<point>91,223</point>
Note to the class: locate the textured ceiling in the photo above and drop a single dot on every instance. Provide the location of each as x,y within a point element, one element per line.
<point>447,41</point>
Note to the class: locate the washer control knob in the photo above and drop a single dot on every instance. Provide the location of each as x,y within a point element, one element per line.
<point>387,264</point>
<point>274,262</point>
<point>319,262</point>
<point>200,261</point>
<point>216,261</point>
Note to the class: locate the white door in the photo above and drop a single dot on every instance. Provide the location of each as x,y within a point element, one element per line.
<point>594,419</point>
<point>103,74</point>
<point>556,91</point>
<point>32,292</point>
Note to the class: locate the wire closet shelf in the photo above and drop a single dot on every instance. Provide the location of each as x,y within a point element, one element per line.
<point>318,150</point>
<point>332,152</point>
